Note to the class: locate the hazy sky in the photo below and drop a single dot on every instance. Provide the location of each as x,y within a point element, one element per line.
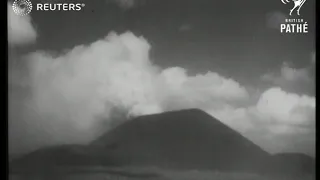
<point>226,57</point>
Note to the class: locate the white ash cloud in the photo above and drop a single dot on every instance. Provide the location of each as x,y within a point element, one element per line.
<point>68,92</point>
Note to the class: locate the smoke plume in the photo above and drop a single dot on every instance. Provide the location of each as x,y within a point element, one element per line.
<point>73,97</point>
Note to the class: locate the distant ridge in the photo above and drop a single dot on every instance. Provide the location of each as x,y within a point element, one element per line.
<point>292,163</point>
<point>178,140</point>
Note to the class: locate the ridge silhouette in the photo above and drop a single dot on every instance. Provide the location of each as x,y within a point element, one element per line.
<point>178,140</point>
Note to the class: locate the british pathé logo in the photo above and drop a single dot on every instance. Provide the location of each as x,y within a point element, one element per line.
<point>297,4</point>
<point>294,25</point>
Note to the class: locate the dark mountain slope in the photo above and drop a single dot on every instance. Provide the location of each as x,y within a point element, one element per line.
<point>62,155</point>
<point>186,139</point>
<point>189,139</point>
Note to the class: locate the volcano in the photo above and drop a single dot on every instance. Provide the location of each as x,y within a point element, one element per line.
<point>178,140</point>
<point>186,139</point>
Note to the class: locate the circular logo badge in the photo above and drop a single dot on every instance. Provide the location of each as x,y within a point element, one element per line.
<point>22,7</point>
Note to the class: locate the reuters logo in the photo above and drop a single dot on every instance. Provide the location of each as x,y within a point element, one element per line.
<point>22,7</point>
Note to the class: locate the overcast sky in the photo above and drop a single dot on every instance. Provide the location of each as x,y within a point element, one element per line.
<point>69,70</point>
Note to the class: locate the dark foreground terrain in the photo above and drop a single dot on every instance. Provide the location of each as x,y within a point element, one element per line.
<point>186,144</point>
<point>127,174</point>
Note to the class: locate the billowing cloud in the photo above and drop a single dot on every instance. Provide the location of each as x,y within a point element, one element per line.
<point>287,108</point>
<point>288,74</point>
<point>279,121</point>
<point>20,28</point>
<point>280,111</point>
<point>292,79</point>
<point>80,89</point>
